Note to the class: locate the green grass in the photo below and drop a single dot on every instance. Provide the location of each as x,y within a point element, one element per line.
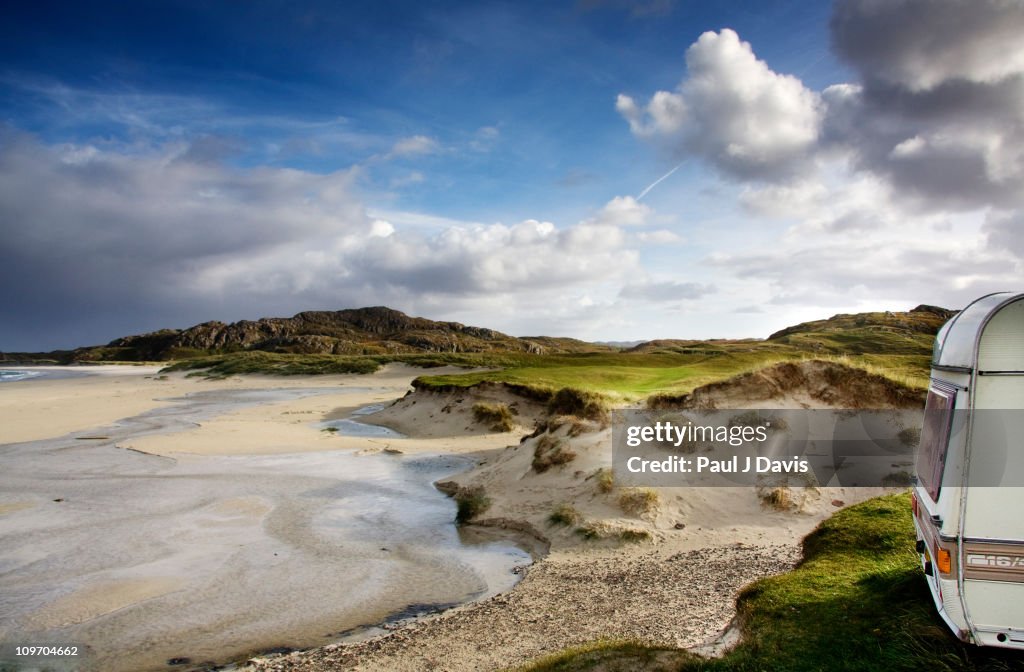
<point>280,364</point>
<point>623,376</point>
<point>629,377</point>
<point>614,376</point>
<point>857,601</point>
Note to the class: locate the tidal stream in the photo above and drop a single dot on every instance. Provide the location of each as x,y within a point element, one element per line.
<point>141,560</point>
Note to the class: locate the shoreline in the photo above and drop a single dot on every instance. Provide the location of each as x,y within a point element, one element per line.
<point>272,432</point>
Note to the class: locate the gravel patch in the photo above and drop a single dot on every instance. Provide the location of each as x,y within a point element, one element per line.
<point>673,599</point>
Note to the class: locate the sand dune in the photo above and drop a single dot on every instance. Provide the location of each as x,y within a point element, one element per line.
<point>677,588</point>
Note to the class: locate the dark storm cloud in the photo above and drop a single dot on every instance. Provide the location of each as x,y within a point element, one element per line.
<point>939,110</point>
<point>96,234</point>
<point>920,44</point>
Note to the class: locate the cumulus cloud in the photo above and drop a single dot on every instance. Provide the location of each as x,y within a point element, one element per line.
<point>150,237</point>
<point>905,185</point>
<point>847,203</point>
<point>937,111</point>
<point>623,211</point>
<point>732,110</point>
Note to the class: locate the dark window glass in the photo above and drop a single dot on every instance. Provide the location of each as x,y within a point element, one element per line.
<point>931,456</point>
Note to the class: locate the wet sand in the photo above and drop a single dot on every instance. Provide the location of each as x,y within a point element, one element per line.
<point>143,558</point>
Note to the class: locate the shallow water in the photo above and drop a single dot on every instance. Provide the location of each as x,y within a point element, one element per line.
<point>143,559</point>
<point>11,375</point>
<point>352,427</point>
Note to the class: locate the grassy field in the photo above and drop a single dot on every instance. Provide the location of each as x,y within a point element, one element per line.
<point>857,601</point>
<point>630,377</point>
<point>283,364</point>
<point>618,376</point>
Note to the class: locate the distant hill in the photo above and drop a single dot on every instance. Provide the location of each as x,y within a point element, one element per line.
<point>892,333</point>
<point>862,333</point>
<point>358,331</point>
<point>384,331</point>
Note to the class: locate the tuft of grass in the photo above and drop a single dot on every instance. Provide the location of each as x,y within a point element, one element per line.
<point>780,499</point>
<point>605,480</point>
<point>472,502</point>
<point>579,403</point>
<point>577,428</point>
<point>550,452</point>
<point>639,501</point>
<point>496,416</point>
<point>565,514</point>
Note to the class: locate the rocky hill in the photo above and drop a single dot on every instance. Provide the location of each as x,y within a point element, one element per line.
<point>359,331</point>
<point>887,332</point>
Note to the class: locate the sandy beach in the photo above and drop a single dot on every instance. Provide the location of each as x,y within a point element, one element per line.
<point>46,408</point>
<point>225,500</point>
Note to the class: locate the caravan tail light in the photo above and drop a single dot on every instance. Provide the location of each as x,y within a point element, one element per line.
<point>913,502</point>
<point>943,561</point>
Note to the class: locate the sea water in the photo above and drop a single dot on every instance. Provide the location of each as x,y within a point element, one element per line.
<point>11,375</point>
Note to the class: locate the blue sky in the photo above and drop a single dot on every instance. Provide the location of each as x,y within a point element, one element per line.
<point>163,164</point>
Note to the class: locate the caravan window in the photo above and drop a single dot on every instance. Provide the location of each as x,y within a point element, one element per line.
<point>931,457</point>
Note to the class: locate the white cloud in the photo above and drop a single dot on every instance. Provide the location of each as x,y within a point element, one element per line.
<point>905,186</point>
<point>414,146</point>
<point>908,264</point>
<point>623,211</point>
<point>158,237</point>
<point>732,110</point>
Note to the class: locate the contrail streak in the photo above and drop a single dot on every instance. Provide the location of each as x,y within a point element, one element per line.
<point>658,181</point>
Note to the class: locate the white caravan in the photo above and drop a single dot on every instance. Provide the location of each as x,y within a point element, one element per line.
<point>968,501</point>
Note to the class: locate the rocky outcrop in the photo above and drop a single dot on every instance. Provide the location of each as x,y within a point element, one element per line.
<point>376,330</point>
<point>920,320</point>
